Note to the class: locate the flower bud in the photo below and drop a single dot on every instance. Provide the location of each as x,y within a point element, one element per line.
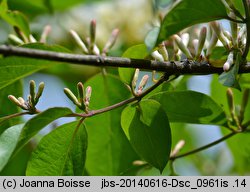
<point>244,102</point>
<point>230,100</point>
<point>156,55</point>
<point>45,34</point>
<point>14,100</point>
<point>182,47</point>
<point>71,96</point>
<point>142,84</point>
<point>79,42</point>
<point>21,101</point>
<point>87,96</point>
<point>92,31</point>
<point>230,59</point>
<point>212,44</point>
<point>201,42</point>
<point>177,148</point>
<point>15,39</point>
<point>185,38</point>
<point>80,89</point>
<point>218,31</point>
<point>135,78</point>
<point>163,51</point>
<point>40,91</point>
<point>32,39</point>
<point>32,91</point>
<point>96,50</point>
<point>111,41</point>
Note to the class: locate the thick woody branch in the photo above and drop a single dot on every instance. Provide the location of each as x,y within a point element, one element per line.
<point>172,67</point>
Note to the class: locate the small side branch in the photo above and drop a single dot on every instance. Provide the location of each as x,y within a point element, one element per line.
<point>171,68</point>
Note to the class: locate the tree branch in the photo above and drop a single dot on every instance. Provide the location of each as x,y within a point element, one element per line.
<point>172,67</point>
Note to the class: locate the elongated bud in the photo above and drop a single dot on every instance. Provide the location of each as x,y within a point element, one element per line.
<point>201,42</point>
<point>142,84</point>
<point>212,44</point>
<point>80,89</point>
<point>32,90</point>
<point>163,51</point>
<point>32,39</point>
<point>182,47</point>
<point>14,100</point>
<point>21,35</point>
<point>21,101</point>
<point>241,35</point>
<point>92,31</point>
<point>230,100</point>
<point>45,34</point>
<point>111,41</point>
<point>218,31</point>
<point>230,60</point>
<point>135,79</point>
<point>177,148</point>
<point>40,91</point>
<point>71,96</point>
<point>195,44</point>
<point>156,55</point>
<point>234,28</point>
<point>185,38</point>
<point>96,50</point>
<point>79,42</point>
<point>15,39</point>
<point>88,95</point>
<point>244,102</point>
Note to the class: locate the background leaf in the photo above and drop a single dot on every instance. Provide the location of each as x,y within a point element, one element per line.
<point>147,128</point>
<point>109,152</point>
<point>61,152</point>
<point>151,38</point>
<point>14,18</point>
<point>190,107</point>
<point>34,125</point>
<point>239,144</point>
<point>8,141</point>
<point>190,12</point>
<point>134,52</point>
<point>15,68</point>
<point>7,107</point>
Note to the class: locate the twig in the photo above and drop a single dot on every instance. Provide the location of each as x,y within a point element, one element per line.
<point>204,147</point>
<point>13,115</point>
<point>171,67</point>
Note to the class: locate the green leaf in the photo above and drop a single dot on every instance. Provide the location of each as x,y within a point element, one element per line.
<point>230,78</point>
<point>15,68</point>
<point>134,52</point>
<point>191,107</point>
<point>7,107</point>
<point>61,152</point>
<point>147,128</point>
<point>151,38</point>
<point>8,141</point>
<point>109,152</point>
<point>190,12</point>
<point>14,18</point>
<point>34,125</point>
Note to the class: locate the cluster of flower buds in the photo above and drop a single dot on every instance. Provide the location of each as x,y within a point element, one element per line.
<point>235,40</point>
<point>83,99</point>
<point>33,98</point>
<point>20,38</point>
<point>141,85</point>
<point>91,47</point>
